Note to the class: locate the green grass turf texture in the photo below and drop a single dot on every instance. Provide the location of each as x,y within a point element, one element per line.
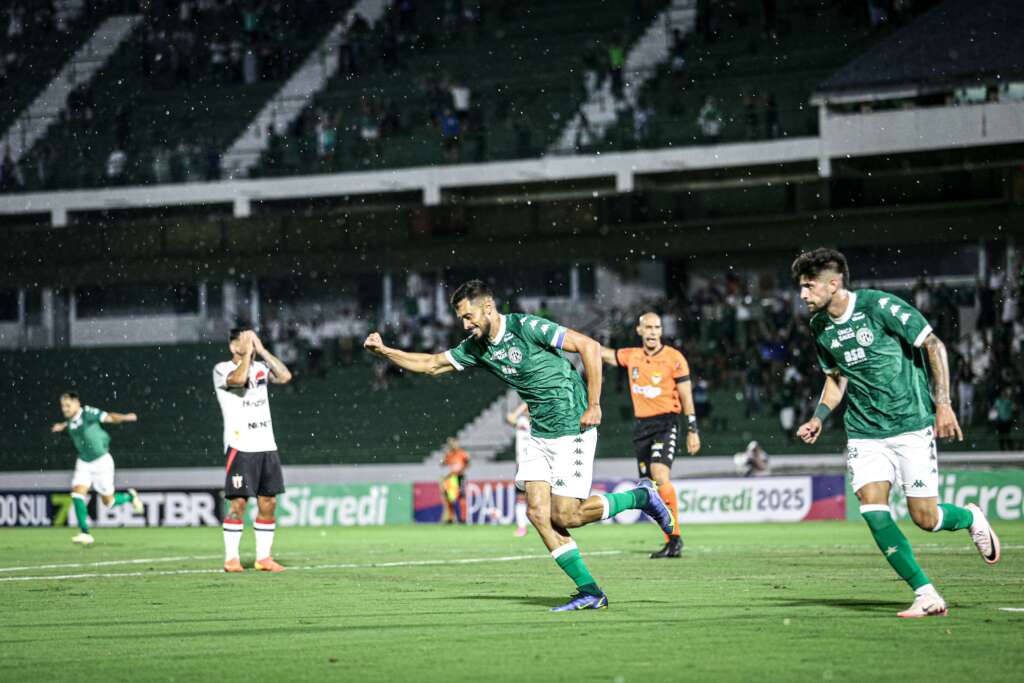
<point>813,601</point>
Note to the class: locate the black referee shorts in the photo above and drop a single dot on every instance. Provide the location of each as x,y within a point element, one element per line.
<point>654,441</point>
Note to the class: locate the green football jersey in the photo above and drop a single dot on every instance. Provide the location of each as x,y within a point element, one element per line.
<point>87,433</point>
<point>528,357</point>
<point>876,345</point>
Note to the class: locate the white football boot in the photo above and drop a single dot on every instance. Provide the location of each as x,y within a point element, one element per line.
<point>82,539</point>
<point>985,539</point>
<point>927,605</point>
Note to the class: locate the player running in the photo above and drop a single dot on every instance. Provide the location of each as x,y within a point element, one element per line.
<point>94,467</point>
<point>253,466</point>
<point>520,419</point>
<point>659,382</point>
<point>526,352</point>
<point>869,345</point>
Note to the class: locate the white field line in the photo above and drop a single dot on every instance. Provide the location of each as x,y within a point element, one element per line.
<point>107,563</point>
<point>1011,609</point>
<point>353,565</point>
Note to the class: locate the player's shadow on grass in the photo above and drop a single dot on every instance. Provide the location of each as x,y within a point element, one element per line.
<point>537,601</point>
<point>839,603</point>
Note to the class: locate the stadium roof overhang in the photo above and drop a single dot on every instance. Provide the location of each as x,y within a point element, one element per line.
<point>960,43</point>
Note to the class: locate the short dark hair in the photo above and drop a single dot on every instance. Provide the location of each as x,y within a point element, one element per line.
<point>472,290</point>
<point>73,395</point>
<point>812,263</point>
<point>236,332</point>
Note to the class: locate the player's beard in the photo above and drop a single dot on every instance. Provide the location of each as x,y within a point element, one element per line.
<point>485,329</point>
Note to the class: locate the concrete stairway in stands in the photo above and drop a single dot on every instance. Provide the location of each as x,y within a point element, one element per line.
<point>33,123</point>
<point>296,94</point>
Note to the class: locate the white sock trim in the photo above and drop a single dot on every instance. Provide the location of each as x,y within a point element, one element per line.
<point>873,508</point>
<point>562,550</point>
<point>927,589</point>
<point>941,517</point>
<point>606,512</point>
<point>79,496</point>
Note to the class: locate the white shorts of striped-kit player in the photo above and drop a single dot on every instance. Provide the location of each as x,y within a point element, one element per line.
<point>566,462</point>
<point>99,474</point>
<point>909,460</point>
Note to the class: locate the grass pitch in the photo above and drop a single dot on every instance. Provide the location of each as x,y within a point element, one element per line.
<point>811,601</point>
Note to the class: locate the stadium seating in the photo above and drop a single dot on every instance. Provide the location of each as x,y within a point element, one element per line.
<point>740,65</point>
<point>332,419</point>
<point>186,113</point>
<point>522,63</point>
<point>36,57</point>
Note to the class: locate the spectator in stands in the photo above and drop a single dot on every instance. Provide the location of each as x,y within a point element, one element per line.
<point>709,120</point>
<point>751,117</point>
<point>460,94</point>
<point>369,132</point>
<point>771,117</point>
<point>616,64</point>
<point>117,164</point>
<point>219,59</point>
<point>212,156</point>
<point>250,66</point>
<point>326,137</point>
<point>677,53</point>
<point>965,392</point>
<point>591,65</point>
<point>161,164</point>
<point>312,334</point>
<point>451,128</point>
<point>642,115</point>
<point>1004,410</point>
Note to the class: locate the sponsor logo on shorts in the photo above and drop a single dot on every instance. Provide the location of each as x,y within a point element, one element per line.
<point>236,481</point>
<point>918,484</point>
<point>559,482</point>
<point>865,337</point>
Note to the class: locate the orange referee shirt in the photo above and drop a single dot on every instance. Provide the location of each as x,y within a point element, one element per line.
<point>652,379</point>
<point>456,460</point>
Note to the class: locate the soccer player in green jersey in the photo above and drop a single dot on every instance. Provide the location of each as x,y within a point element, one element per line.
<point>526,352</point>
<point>94,467</point>
<point>874,348</point>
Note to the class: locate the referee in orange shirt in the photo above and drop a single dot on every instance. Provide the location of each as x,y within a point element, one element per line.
<point>659,382</point>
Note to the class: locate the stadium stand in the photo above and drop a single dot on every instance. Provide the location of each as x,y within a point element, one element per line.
<point>179,92</point>
<point>38,42</point>
<point>334,418</point>
<point>519,64</point>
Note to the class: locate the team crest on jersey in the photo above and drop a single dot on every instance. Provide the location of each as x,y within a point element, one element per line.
<point>236,481</point>
<point>656,378</point>
<point>515,356</point>
<point>865,337</point>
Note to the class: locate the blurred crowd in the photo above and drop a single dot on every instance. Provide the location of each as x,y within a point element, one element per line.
<point>758,346</point>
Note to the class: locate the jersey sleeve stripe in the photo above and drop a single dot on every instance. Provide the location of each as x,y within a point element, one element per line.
<point>559,338</point>
<point>921,337</point>
<point>451,359</point>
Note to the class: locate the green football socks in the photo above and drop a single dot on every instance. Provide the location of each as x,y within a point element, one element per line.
<point>81,513</point>
<point>953,518</point>
<point>122,497</point>
<point>893,544</point>
<point>634,499</point>
<point>570,562</point>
